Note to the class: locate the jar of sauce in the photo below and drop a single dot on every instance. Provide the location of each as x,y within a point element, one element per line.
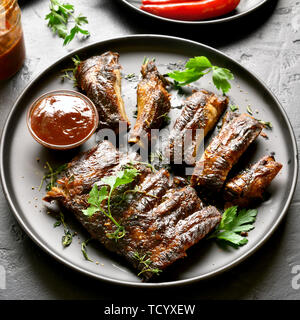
<point>12,49</point>
<point>62,119</point>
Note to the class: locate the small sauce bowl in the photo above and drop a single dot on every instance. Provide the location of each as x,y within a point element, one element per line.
<point>62,119</point>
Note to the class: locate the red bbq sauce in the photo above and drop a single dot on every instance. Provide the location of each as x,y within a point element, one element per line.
<point>62,120</point>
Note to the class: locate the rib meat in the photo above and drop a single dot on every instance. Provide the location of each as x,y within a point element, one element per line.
<point>237,133</point>
<point>153,103</point>
<point>100,78</point>
<point>199,115</point>
<point>162,220</point>
<point>249,185</point>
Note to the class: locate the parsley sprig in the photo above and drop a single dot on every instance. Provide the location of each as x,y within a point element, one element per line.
<point>97,197</point>
<point>233,224</point>
<point>197,67</point>
<point>59,16</point>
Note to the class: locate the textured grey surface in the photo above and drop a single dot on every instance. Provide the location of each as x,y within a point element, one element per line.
<point>267,43</point>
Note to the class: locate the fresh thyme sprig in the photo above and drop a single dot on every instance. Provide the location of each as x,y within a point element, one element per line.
<point>266,124</point>
<point>249,110</point>
<point>83,249</point>
<point>166,118</point>
<point>59,16</point>
<point>67,238</point>
<point>234,108</point>
<point>146,262</point>
<point>51,176</point>
<point>69,73</point>
<point>130,165</point>
<point>135,190</point>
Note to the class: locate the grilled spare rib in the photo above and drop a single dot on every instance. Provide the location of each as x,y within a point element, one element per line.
<point>162,220</point>
<point>249,185</point>
<point>100,78</point>
<point>235,136</point>
<point>199,115</point>
<point>153,103</point>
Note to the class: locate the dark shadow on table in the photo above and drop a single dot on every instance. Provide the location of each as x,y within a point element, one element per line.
<point>214,35</point>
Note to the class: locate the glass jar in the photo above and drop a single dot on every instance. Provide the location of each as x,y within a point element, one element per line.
<point>12,49</point>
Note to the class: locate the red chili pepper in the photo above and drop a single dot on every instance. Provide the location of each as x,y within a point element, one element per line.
<point>194,10</point>
<point>166,1</point>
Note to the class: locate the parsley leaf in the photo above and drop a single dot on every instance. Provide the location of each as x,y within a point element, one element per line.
<point>197,67</point>
<point>96,197</point>
<point>220,78</point>
<point>58,20</point>
<point>234,223</point>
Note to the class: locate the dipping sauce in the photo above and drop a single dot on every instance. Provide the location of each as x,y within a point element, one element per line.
<point>62,120</point>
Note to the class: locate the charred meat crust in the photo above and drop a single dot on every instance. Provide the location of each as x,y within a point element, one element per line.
<point>161,221</point>
<point>100,78</point>
<point>237,133</point>
<point>249,185</point>
<point>153,103</point>
<point>199,115</point>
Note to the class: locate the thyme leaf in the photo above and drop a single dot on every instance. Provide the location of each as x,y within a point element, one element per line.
<point>51,175</point>
<point>69,73</point>
<point>83,249</point>
<point>146,262</point>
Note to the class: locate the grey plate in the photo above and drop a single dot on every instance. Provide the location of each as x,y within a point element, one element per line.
<point>245,7</point>
<point>21,172</point>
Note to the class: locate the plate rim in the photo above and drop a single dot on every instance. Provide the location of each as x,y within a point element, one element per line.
<point>208,275</point>
<point>199,22</point>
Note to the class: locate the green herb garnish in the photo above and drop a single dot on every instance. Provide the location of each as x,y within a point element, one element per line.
<point>59,16</point>
<point>69,73</point>
<point>130,165</point>
<point>51,176</point>
<point>67,238</point>
<point>266,124</point>
<point>166,118</point>
<point>83,249</point>
<point>249,110</point>
<point>234,108</point>
<point>197,67</point>
<point>233,224</point>
<point>130,76</point>
<point>146,262</point>
<point>96,197</point>
<point>156,155</point>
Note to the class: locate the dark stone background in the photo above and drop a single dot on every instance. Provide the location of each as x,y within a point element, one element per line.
<point>268,43</point>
